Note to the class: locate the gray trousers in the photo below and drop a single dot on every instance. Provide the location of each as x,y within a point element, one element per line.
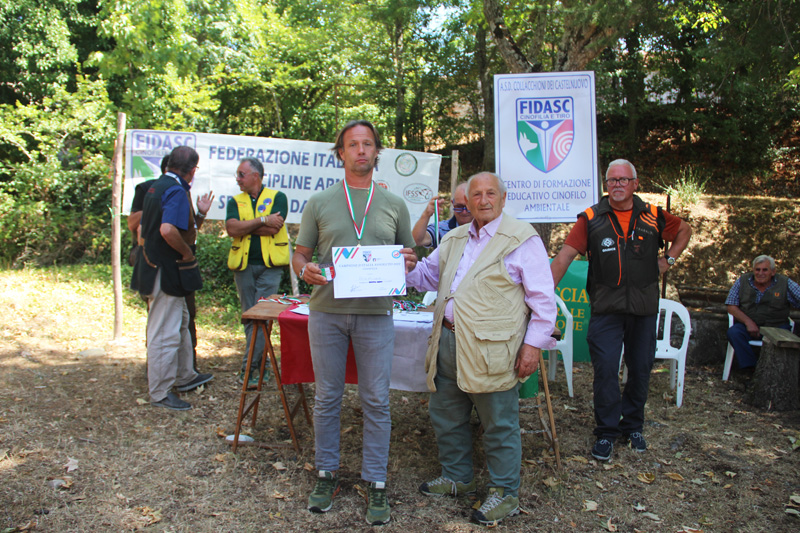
<point>252,283</point>
<point>329,336</point>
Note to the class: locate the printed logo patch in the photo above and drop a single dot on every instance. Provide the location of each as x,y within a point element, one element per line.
<point>263,207</point>
<point>545,129</point>
<point>607,242</point>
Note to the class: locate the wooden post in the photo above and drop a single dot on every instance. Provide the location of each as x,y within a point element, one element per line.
<point>775,385</point>
<point>116,213</point>
<point>453,172</point>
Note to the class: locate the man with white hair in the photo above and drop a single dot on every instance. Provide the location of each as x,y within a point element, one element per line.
<point>495,314</point>
<point>760,298</point>
<point>621,236</point>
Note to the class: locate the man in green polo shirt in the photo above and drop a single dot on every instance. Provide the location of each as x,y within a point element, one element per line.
<point>354,211</point>
<point>260,249</point>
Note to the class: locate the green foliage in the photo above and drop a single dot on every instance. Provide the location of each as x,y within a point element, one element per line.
<point>36,55</point>
<point>55,188</point>
<point>702,81</point>
<point>212,256</point>
<point>155,68</point>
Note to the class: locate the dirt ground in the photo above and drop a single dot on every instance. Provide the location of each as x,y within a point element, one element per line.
<point>82,450</point>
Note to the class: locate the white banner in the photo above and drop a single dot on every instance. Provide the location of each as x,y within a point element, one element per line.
<point>297,168</point>
<point>546,144</point>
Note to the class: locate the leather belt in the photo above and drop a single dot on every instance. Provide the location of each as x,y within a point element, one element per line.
<point>449,325</point>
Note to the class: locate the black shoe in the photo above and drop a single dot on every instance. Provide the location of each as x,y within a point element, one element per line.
<point>602,449</point>
<point>637,442</point>
<point>172,402</point>
<point>201,379</point>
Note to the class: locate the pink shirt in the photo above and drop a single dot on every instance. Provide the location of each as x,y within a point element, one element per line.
<point>527,265</point>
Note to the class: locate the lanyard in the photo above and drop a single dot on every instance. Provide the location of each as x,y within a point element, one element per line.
<point>359,230</point>
<point>436,223</point>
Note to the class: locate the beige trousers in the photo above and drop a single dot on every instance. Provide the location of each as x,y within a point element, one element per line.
<point>169,344</point>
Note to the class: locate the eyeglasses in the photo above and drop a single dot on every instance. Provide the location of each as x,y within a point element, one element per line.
<point>620,181</point>
<point>239,174</point>
<point>460,208</point>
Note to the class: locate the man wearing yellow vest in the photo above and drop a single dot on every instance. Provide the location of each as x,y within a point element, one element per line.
<point>260,248</point>
<point>495,312</point>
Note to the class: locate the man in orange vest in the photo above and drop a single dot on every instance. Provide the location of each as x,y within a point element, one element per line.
<point>260,249</point>
<point>622,237</point>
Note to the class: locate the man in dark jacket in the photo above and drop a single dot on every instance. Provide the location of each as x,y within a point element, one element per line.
<point>134,222</point>
<point>621,236</point>
<point>167,231</point>
<point>760,298</point>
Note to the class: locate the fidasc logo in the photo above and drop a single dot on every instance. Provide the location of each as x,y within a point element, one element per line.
<point>148,147</point>
<point>545,129</point>
<point>417,193</point>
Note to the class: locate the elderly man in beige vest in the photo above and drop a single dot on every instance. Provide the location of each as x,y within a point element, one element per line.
<point>492,319</point>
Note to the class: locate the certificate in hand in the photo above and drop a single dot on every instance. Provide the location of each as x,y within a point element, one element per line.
<point>364,271</point>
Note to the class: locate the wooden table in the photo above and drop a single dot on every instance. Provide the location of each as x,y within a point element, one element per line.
<point>263,314</point>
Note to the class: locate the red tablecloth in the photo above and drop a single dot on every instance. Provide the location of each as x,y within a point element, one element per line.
<point>296,364</point>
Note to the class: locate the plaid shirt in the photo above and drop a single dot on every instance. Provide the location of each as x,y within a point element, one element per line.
<point>793,293</point>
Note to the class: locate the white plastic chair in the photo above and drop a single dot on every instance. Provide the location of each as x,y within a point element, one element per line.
<point>665,350</point>
<point>726,371</point>
<point>564,345</point>
<point>429,298</point>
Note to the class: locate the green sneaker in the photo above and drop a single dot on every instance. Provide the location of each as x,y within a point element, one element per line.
<point>378,512</point>
<point>321,498</point>
<point>442,486</point>
<point>496,508</point>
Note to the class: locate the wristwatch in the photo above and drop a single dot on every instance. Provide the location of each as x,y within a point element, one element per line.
<point>670,260</point>
<point>302,271</point>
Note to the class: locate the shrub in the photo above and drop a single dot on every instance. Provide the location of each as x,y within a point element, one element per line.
<point>687,189</point>
<point>55,189</point>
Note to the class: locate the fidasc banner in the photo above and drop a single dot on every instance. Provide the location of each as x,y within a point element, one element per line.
<point>297,168</point>
<point>546,144</point>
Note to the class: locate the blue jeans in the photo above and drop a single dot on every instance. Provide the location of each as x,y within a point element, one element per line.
<point>252,283</point>
<point>329,336</point>
<point>450,409</point>
<point>606,335</point>
<point>740,339</point>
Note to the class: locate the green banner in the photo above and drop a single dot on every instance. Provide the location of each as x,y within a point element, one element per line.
<point>572,290</point>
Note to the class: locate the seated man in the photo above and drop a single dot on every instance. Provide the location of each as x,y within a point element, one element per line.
<point>424,233</point>
<point>759,299</point>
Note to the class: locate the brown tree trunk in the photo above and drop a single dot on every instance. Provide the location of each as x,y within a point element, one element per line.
<point>487,96</point>
<point>400,89</point>
<point>774,386</point>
